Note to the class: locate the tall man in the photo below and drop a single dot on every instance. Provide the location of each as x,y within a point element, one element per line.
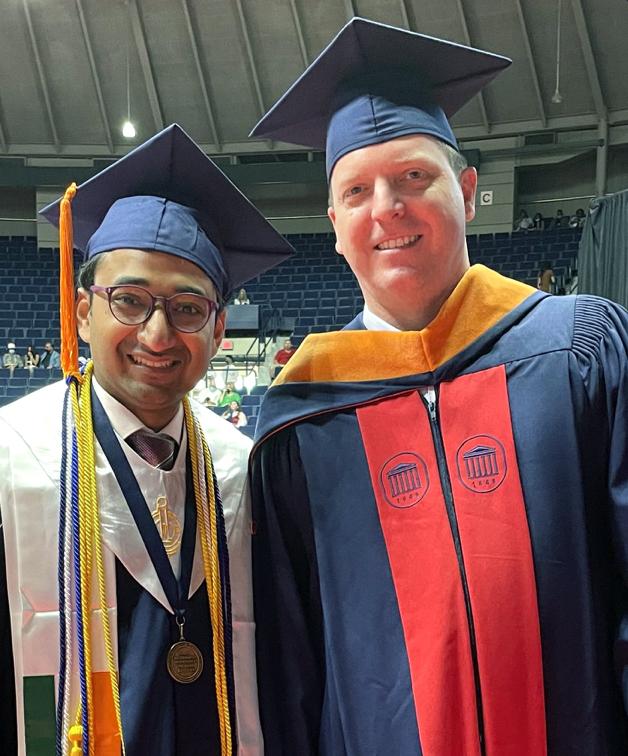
<point>441,491</point>
<point>167,237</point>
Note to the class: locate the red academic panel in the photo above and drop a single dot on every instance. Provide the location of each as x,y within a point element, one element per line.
<point>482,461</point>
<point>405,479</point>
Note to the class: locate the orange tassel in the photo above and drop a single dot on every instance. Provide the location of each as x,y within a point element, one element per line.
<point>69,338</point>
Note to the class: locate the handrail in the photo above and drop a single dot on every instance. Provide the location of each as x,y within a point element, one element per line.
<point>261,353</point>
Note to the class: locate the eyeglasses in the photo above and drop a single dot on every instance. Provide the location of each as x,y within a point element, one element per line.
<point>133,305</point>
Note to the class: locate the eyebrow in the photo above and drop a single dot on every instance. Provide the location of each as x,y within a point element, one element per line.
<point>132,281</point>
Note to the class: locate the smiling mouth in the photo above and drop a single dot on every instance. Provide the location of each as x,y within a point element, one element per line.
<point>147,362</point>
<point>399,243</point>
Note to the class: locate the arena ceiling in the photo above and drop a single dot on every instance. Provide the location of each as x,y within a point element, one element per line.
<point>215,66</point>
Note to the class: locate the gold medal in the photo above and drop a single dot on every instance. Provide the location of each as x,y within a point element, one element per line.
<point>185,661</point>
<point>168,526</point>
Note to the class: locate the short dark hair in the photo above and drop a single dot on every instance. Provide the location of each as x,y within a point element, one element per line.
<point>87,272</point>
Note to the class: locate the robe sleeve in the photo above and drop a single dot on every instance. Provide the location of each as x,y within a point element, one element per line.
<point>8,721</point>
<point>288,613</point>
<point>601,337</point>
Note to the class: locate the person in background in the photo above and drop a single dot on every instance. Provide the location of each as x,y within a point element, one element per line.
<point>213,392</point>
<point>523,222</point>
<point>539,222</point>
<point>235,415</point>
<point>31,359</point>
<point>545,278</point>
<point>11,359</point>
<point>51,358</point>
<point>577,220</point>
<point>282,357</point>
<point>229,395</point>
<point>242,298</point>
<point>559,220</point>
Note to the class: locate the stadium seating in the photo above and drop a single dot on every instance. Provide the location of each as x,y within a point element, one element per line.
<point>315,287</point>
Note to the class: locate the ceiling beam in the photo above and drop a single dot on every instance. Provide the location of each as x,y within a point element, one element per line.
<point>467,39</point>
<point>404,14</point>
<point>589,59</point>
<point>42,77</point>
<point>530,56</point>
<point>201,76</point>
<point>147,69</point>
<point>251,58</point>
<point>94,70</point>
<point>299,28</point>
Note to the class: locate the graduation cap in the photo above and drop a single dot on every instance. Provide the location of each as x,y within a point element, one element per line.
<point>167,195</point>
<point>374,83</point>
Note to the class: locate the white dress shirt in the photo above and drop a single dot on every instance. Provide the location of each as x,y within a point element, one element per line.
<point>373,322</point>
<point>153,482</point>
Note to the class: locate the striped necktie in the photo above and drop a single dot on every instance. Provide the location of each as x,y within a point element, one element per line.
<point>158,449</point>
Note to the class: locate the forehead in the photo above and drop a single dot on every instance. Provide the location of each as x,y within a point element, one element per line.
<point>377,157</point>
<point>152,269</point>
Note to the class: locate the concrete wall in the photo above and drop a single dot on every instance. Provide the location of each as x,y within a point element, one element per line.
<point>17,211</point>
<point>497,175</point>
<point>47,234</point>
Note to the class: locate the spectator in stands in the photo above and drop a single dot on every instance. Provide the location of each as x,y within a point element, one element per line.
<point>51,358</point>
<point>11,359</point>
<point>235,415</point>
<point>577,220</point>
<point>211,393</point>
<point>229,395</point>
<point>545,278</point>
<point>150,306</point>
<point>559,220</point>
<point>539,222</point>
<point>230,369</point>
<point>282,357</point>
<point>242,298</point>
<point>452,464</point>
<point>523,222</point>
<point>31,359</point>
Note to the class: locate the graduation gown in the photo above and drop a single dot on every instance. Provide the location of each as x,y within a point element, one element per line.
<point>441,534</point>
<point>159,716</point>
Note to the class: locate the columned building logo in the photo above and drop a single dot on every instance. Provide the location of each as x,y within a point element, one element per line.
<point>481,463</point>
<point>404,480</point>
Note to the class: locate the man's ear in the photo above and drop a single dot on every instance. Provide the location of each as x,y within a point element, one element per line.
<point>84,313</point>
<point>219,331</point>
<point>332,217</point>
<point>469,185</point>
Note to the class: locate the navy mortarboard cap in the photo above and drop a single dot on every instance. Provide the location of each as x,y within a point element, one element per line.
<point>167,195</point>
<point>374,83</point>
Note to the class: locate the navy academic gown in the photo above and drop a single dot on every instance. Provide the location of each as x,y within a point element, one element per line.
<point>159,716</point>
<point>444,572</point>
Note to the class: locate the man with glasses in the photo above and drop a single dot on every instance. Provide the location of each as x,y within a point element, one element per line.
<point>167,238</point>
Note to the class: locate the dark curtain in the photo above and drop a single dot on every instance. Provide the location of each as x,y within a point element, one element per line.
<point>603,256</point>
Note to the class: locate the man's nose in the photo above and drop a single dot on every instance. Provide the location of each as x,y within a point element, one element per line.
<point>387,202</point>
<point>156,333</point>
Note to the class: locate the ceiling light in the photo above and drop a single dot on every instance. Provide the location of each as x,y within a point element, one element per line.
<point>128,130</point>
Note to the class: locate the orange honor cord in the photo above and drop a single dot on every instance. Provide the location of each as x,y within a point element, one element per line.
<point>69,339</point>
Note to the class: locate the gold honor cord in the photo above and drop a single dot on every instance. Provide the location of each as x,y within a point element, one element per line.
<point>90,540</point>
<point>202,476</point>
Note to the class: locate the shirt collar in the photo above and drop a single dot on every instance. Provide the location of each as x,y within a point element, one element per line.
<point>373,322</point>
<point>124,421</point>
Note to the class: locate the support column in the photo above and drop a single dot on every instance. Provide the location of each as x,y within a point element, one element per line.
<point>601,169</point>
